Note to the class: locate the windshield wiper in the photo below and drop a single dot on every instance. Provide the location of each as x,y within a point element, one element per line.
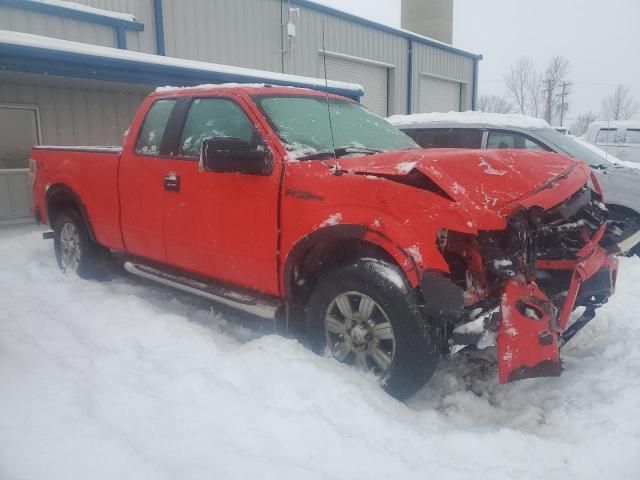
<point>340,152</point>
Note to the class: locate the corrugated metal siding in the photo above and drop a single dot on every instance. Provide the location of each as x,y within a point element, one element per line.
<point>67,29</point>
<point>449,65</point>
<point>248,33</point>
<point>91,115</point>
<point>345,37</point>
<point>240,33</point>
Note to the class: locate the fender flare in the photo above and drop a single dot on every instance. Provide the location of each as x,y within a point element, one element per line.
<point>62,189</point>
<point>345,232</point>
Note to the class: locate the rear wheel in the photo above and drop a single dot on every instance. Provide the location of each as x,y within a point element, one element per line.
<point>74,249</point>
<point>365,315</point>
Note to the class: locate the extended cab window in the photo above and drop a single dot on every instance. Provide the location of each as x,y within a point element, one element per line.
<point>446,137</point>
<point>514,140</point>
<point>153,128</point>
<point>215,117</point>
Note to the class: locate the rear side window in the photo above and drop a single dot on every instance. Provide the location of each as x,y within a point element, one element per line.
<point>499,140</point>
<point>466,138</point>
<point>152,131</point>
<point>446,137</point>
<point>215,117</point>
<point>633,136</point>
<point>606,136</point>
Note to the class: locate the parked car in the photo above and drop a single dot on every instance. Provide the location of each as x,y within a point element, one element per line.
<point>247,196</point>
<point>620,138</point>
<point>620,184</point>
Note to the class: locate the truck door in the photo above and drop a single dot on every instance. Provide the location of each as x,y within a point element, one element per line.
<point>142,178</point>
<point>222,225</point>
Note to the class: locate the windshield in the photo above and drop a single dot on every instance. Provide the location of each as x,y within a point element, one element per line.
<point>302,123</point>
<point>573,148</point>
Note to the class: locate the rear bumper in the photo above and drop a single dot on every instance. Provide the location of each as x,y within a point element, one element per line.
<point>531,326</point>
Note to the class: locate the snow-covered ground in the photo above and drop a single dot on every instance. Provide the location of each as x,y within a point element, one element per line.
<point>105,380</point>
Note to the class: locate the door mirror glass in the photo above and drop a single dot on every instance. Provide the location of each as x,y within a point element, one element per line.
<point>234,155</point>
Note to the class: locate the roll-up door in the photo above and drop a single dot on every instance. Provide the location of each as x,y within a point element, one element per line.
<point>439,95</point>
<point>373,78</point>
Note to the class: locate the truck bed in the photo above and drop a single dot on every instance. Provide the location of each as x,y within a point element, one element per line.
<point>91,173</point>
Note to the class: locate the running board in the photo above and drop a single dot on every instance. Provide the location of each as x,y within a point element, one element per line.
<point>225,296</point>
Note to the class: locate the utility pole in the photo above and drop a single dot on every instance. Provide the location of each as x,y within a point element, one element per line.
<point>562,104</point>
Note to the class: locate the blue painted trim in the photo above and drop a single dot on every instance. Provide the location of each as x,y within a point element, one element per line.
<point>409,76</point>
<point>65,12</point>
<point>46,61</point>
<point>121,38</point>
<point>383,28</point>
<point>474,92</point>
<point>158,17</point>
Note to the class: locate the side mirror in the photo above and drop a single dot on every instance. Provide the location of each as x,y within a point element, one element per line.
<point>234,155</point>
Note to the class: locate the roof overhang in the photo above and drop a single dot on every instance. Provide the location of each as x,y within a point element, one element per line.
<point>24,52</point>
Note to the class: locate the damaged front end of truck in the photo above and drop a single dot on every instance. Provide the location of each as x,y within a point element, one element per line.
<point>516,287</point>
<point>506,244</point>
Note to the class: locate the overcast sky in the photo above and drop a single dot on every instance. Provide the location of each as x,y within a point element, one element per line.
<point>600,38</point>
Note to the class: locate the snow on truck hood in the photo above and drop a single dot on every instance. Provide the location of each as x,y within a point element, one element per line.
<point>498,180</point>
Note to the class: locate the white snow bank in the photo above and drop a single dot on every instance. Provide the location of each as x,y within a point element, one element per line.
<point>57,45</point>
<point>470,117</point>
<point>87,9</point>
<point>114,379</point>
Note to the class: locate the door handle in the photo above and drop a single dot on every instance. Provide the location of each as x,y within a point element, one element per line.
<point>172,182</point>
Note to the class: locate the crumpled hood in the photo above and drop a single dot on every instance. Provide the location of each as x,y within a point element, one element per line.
<point>498,180</point>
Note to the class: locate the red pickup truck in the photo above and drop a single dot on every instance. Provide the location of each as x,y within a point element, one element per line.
<point>295,205</point>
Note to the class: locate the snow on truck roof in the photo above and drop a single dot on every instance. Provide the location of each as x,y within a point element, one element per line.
<point>468,118</point>
<point>67,58</point>
<point>218,86</point>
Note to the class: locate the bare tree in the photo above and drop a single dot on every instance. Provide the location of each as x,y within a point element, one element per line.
<point>619,105</point>
<point>535,94</point>
<point>494,104</point>
<point>555,75</point>
<point>518,81</point>
<point>525,87</point>
<point>582,123</point>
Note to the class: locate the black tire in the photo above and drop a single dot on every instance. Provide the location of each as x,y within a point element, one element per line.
<point>91,258</point>
<point>416,353</point>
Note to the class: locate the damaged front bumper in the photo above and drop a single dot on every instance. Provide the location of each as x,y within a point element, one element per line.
<point>531,326</point>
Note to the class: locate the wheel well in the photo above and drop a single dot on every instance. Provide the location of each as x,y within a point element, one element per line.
<point>61,198</point>
<point>325,256</point>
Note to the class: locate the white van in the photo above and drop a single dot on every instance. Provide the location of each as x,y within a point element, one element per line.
<point>622,139</point>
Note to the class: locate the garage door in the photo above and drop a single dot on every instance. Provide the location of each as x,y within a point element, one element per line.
<point>439,95</point>
<point>373,79</point>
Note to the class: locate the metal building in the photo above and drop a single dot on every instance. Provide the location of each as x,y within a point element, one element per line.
<point>68,75</point>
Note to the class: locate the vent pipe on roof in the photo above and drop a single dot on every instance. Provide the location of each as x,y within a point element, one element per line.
<point>431,18</point>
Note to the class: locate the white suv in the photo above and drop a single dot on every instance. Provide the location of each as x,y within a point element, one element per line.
<point>621,139</point>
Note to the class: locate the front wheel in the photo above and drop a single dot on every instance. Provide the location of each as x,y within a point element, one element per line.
<point>75,251</point>
<point>365,315</point>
